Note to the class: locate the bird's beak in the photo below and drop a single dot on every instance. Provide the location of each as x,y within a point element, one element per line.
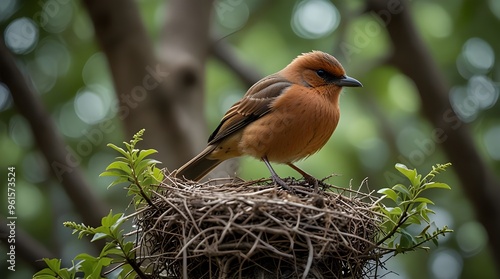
<point>348,82</point>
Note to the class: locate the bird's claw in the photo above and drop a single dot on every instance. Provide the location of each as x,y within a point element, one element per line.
<point>278,181</point>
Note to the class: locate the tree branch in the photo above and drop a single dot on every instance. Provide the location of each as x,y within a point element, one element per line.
<point>185,47</point>
<point>412,57</point>
<point>165,98</point>
<point>50,142</point>
<point>226,54</point>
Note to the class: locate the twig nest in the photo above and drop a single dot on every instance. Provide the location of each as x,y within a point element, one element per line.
<point>255,230</point>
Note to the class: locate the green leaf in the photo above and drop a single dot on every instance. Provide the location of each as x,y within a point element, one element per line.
<point>158,174</point>
<point>430,185</point>
<point>119,166</point>
<point>54,264</point>
<point>112,248</point>
<point>414,220</point>
<point>99,236</point>
<point>402,189</point>
<point>119,181</point>
<point>115,226</point>
<point>45,274</point>
<point>118,149</point>
<point>407,240</point>
<point>108,173</point>
<point>423,200</point>
<point>54,270</point>
<point>127,247</point>
<point>424,231</point>
<point>395,211</point>
<point>412,175</point>
<point>144,153</point>
<point>435,241</point>
<point>143,165</point>
<point>391,194</point>
<point>424,215</point>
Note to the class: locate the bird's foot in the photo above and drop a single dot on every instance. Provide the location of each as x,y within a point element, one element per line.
<point>315,183</point>
<point>278,181</point>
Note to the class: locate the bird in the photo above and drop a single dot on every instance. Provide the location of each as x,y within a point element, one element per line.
<point>282,118</point>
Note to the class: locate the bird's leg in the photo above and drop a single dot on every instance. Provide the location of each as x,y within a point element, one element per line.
<point>275,177</point>
<point>309,178</point>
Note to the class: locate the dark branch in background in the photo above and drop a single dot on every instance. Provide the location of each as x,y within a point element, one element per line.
<point>165,98</point>
<point>51,144</point>
<point>185,47</point>
<point>49,141</point>
<point>226,54</point>
<point>27,248</point>
<point>412,57</point>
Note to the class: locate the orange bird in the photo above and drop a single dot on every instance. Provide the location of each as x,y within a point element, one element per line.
<point>282,118</point>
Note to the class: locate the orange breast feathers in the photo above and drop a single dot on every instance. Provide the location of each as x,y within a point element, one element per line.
<point>282,118</point>
<point>300,123</point>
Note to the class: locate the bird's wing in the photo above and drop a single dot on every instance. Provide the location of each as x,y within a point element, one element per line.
<point>256,103</point>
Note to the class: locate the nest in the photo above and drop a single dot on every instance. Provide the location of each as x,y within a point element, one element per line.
<point>255,230</point>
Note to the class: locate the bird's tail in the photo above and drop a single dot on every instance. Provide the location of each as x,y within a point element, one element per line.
<point>199,166</point>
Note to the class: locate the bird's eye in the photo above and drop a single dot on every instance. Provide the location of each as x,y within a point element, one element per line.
<point>321,73</point>
<point>325,75</point>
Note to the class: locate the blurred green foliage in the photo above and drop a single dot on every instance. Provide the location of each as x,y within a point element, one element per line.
<point>55,45</point>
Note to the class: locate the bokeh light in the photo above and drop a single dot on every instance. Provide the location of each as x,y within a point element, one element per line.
<point>68,122</point>
<point>373,153</point>
<point>406,143</point>
<point>43,82</point>
<point>471,238</point>
<point>82,27</point>
<point>34,166</point>
<point>52,57</point>
<point>442,217</point>
<point>231,14</point>
<point>358,129</point>
<point>313,19</point>
<point>55,16</point>
<point>483,91</point>
<point>403,93</point>
<point>32,200</point>
<point>446,264</point>
<point>89,106</point>
<point>491,138</point>
<point>21,35</point>
<point>464,106</point>
<point>7,8</point>
<point>434,19</point>
<point>95,70</point>
<point>477,57</point>
<point>495,7</point>
<point>5,98</point>
<point>20,132</point>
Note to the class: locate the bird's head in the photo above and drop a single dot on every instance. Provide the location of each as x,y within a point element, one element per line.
<point>317,69</point>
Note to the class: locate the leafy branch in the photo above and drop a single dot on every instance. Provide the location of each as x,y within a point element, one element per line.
<point>134,168</point>
<point>411,208</point>
<point>141,176</point>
